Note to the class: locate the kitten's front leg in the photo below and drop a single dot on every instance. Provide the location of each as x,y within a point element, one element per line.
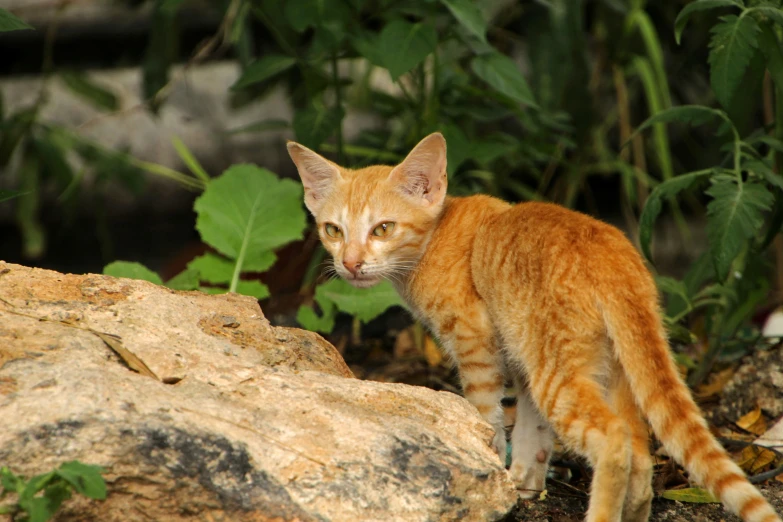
<point>472,343</point>
<point>531,446</point>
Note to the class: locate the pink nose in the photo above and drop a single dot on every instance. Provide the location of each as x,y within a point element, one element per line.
<point>352,266</point>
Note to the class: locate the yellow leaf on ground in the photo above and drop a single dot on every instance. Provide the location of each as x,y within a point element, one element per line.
<point>753,422</point>
<point>717,382</point>
<point>693,495</point>
<point>754,458</point>
<point>431,352</point>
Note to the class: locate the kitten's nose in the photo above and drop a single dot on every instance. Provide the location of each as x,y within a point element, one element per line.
<point>352,266</point>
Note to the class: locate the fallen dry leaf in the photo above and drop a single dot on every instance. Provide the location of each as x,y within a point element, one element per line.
<point>753,459</point>
<point>753,422</point>
<point>716,384</point>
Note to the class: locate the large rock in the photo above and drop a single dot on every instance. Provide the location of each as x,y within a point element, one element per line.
<point>224,416</point>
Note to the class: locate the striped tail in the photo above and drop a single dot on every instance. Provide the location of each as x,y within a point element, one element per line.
<point>640,345</point>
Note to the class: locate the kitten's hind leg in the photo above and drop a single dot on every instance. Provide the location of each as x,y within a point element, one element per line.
<point>638,500</point>
<point>531,446</point>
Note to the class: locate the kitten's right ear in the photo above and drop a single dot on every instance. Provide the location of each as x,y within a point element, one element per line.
<point>318,174</point>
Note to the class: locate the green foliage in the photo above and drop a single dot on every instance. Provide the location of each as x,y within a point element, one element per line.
<point>244,214</point>
<point>731,50</point>
<point>9,22</point>
<point>54,487</point>
<point>132,270</point>
<point>339,296</point>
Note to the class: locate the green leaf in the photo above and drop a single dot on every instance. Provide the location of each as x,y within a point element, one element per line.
<point>731,50</point>
<point>190,160</point>
<point>404,45</point>
<point>85,88</point>
<point>672,286</point>
<point>53,159</point>
<point>10,194</point>
<point>364,303</point>
<point>692,7</point>
<point>503,75</point>
<point>13,130</point>
<point>763,171</point>
<point>40,509</point>
<point>34,485</point>
<point>457,147</point>
<point>85,478</point>
<point>9,22</point>
<point>324,323</point>
<point>469,15</point>
<point>771,12</point>
<point>264,68</point>
<point>132,270</point>
<point>253,288</point>
<point>162,49</point>
<point>314,125</point>
<point>10,481</point>
<point>691,114</point>
<point>213,268</point>
<point>733,216</point>
<point>654,204</point>
<point>690,495</point>
<point>302,14</point>
<point>188,279</point>
<point>246,213</point>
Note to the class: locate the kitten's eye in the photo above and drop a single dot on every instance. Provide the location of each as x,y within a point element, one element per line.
<point>383,230</point>
<point>333,231</point>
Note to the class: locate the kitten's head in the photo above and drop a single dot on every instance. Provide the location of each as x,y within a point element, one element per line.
<point>375,221</point>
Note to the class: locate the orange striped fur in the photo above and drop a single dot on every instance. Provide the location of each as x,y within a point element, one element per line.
<point>561,302</point>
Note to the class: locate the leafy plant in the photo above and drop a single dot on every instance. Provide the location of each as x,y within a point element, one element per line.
<point>744,208</point>
<point>39,498</point>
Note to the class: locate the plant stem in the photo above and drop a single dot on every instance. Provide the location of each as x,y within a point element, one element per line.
<point>338,101</point>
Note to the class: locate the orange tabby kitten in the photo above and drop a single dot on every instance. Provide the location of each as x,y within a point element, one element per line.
<point>565,299</point>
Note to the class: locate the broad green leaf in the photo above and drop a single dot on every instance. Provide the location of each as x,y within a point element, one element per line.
<point>247,212</point>
<point>255,289</point>
<point>457,147</point>
<point>302,14</point>
<point>188,279</point>
<point>10,481</point>
<point>315,124</point>
<point>9,22</point>
<point>309,320</point>
<point>469,15</point>
<point>40,509</point>
<point>364,303</point>
<point>404,45</point>
<point>773,13</point>
<point>731,50</point>
<point>487,151</point>
<point>503,75</point>
<point>690,495</point>
<point>85,478</point>
<point>654,204</point>
<point>733,217</point>
<point>691,114</point>
<point>132,270</point>
<point>264,68</point>
<point>10,194</point>
<point>672,286</point>
<point>84,87</point>
<point>692,7</point>
<point>34,485</point>
<point>764,171</point>
<point>213,268</point>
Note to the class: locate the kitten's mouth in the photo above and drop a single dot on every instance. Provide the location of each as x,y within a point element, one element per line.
<point>361,281</point>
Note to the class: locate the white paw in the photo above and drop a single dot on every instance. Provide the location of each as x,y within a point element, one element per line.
<point>500,445</point>
<point>530,481</point>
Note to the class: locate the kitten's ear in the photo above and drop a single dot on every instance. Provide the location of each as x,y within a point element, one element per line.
<point>318,174</point>
<point>422,173</point>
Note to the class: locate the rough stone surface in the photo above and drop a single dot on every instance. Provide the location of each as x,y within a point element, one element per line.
<point>757,381</point>
<point>256,423</point>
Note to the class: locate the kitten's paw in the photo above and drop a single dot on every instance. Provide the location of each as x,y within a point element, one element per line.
<point>530,481</point>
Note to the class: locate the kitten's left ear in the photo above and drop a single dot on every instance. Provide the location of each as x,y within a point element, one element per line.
<point>318,174</point>
<point>423,172</point>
